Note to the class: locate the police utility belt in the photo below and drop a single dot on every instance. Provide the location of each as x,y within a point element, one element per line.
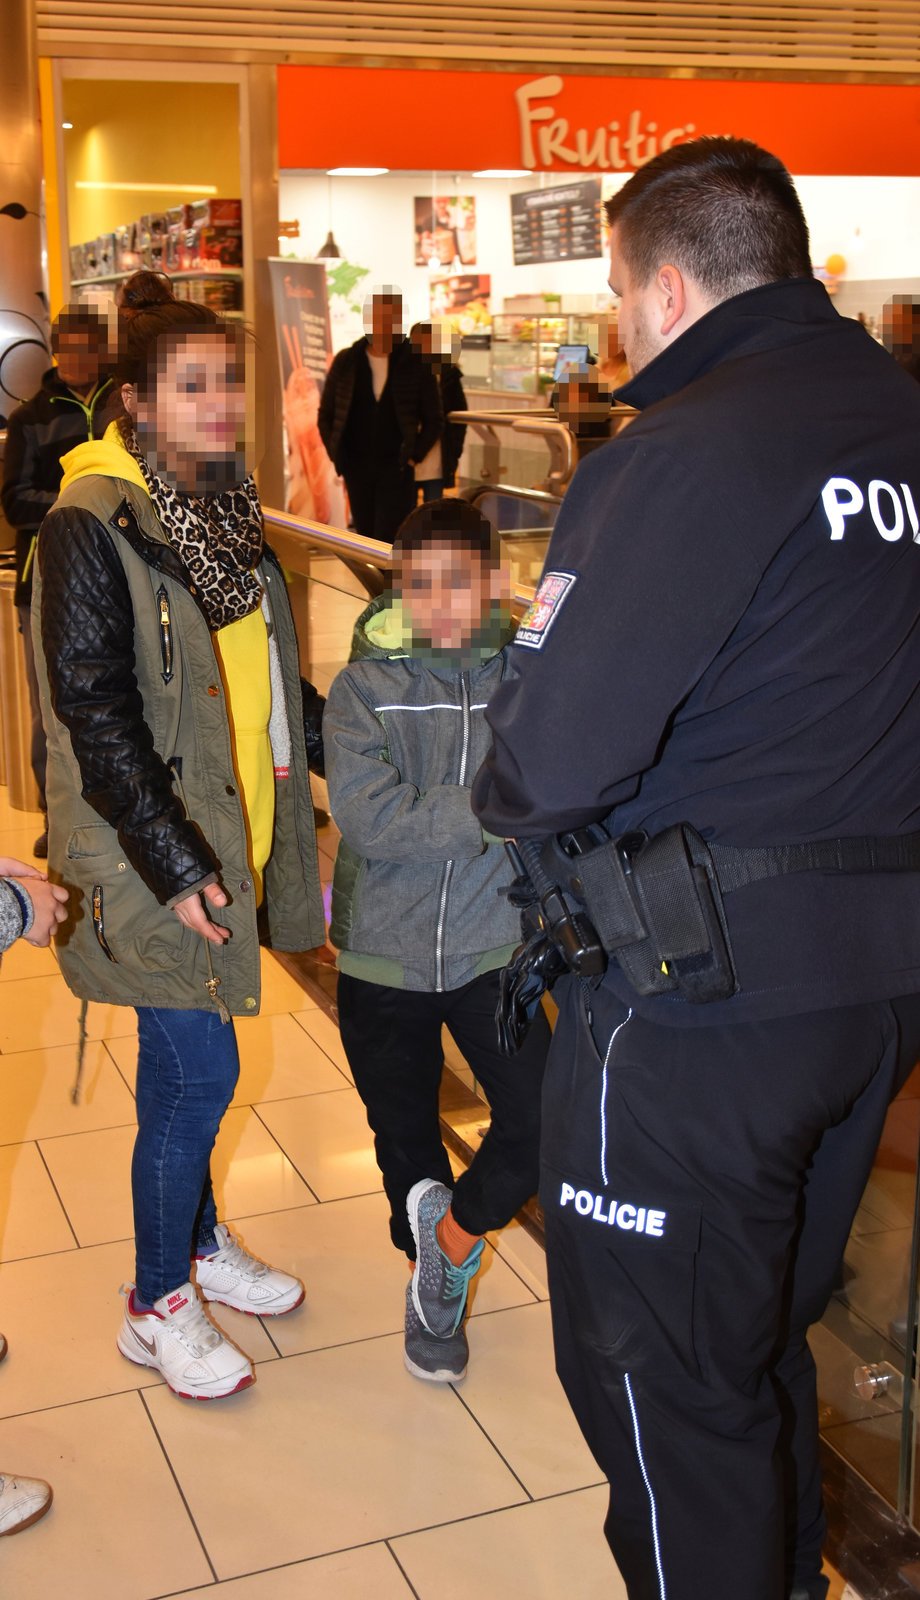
<point>654,904</point>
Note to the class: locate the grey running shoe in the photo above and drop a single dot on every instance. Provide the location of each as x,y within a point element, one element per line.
<point>439,1288</point>
<point>435,1360</point>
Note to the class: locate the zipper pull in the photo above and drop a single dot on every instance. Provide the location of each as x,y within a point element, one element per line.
<point>165,634</point>
<point>212,985</point>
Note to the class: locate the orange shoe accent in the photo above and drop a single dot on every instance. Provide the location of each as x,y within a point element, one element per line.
<point>454,1240</point>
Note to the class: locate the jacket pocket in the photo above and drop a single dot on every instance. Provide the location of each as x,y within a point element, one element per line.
<point>129,926</point>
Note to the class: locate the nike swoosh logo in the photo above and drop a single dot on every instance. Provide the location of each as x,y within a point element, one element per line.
<point>150,1345</point>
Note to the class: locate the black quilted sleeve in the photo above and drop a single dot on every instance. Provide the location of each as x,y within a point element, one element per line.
<point>87,628</point>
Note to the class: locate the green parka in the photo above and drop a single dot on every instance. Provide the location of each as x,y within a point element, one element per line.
<point>143,798</point>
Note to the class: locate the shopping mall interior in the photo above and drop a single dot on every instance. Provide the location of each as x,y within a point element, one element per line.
<point>281,164</point>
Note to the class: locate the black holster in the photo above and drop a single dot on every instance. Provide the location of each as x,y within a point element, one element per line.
<point>656,906</point>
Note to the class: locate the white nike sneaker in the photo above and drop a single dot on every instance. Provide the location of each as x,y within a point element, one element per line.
<point>178,1341</point>
<point>234,1278</point>
<point>22,1502</point>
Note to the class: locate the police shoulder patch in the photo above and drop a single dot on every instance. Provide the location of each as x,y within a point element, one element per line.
<point>543,610</point>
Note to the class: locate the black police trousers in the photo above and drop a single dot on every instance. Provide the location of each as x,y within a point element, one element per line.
<point>699,1186</point>
<point>392,1038</point>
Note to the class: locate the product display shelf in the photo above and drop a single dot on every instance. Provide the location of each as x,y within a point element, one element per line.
<point>175,277</point>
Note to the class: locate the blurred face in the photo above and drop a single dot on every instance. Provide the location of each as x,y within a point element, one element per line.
<point>421,338</point>
<point>80,354</point>
<point>448,594</point>
<point>191,425</point>
<point>383,322</point>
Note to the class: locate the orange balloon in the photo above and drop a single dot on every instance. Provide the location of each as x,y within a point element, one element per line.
<point>835,265</point>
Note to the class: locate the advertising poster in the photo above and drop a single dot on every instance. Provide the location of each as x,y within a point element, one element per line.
<point>301,304</point>
<point>461,301</point>
<point>445,229</point>
<point>558,224</point>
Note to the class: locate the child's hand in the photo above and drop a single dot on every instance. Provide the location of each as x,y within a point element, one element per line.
<point>11,868</point>
<point>49,906</point>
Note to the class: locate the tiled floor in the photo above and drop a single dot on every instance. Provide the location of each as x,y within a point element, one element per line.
<point>337,1477</point>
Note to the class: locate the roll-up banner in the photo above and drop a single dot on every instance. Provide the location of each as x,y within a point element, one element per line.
<point>304,340</point>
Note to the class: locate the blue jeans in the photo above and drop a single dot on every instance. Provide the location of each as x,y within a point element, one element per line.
<point>187,1067</point>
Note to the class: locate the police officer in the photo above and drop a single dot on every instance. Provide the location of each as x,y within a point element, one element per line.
<point>726,637</point>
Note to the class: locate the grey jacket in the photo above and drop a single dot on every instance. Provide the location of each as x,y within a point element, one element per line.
<point>16,915</point>
<point>415,900</point>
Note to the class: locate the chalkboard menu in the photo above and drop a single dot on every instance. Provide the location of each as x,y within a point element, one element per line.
<point>561,224</point>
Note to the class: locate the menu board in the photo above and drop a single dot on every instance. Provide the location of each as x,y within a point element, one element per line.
<point>560,224</point>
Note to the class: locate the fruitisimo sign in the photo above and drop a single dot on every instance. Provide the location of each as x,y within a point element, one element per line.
<point>619,145</point>
<point>552,123</point>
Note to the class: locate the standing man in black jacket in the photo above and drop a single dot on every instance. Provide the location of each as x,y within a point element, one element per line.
<point>70,407</point>
<point>722,669</point>
<point>379,415</point>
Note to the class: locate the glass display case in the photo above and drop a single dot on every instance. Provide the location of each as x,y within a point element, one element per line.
<point>524,348</point>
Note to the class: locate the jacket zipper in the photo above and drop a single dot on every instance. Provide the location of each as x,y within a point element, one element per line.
<point>449,867</point>
<point>166,640</point>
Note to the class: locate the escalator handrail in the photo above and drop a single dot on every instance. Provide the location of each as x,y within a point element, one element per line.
<point>342,542</point>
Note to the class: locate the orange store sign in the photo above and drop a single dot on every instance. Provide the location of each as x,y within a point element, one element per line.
<point>461,121</point>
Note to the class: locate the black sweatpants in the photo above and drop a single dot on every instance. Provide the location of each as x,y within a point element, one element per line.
<point>392,1039</point>
<point>699,1186</point>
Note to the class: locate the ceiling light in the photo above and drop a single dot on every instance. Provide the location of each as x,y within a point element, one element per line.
<point>147,188</point>
<point>330,250</point>
<point>66,124</point>
<point>503,172</point>
<point>356,172</point>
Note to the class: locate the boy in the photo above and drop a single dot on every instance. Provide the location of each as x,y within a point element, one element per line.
<point>417,914</point>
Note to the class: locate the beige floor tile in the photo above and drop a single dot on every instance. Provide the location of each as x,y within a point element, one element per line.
<point>345,1453</point>
<point>32,1222</point>
<point>24,960</point>
<point>277,1061</point>
<point>355,1279</point>
<point>92,1172</point>
<point>56,1360</point>
<point>328,1140</point>
<point>35,1088</point>
<point>39,1013</point>
<point>351,1575</point>
<point>513,1391</point>
<point>118,1526</point>
<point>327,1036</point>
<point>534,1551</point>
<point>281,992</point>
<point>525,1257</point>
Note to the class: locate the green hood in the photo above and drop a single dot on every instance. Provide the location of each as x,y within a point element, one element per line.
<point>382,633</point>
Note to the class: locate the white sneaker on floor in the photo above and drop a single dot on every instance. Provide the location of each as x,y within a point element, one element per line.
<point>22,1502</point>
<point>234,1278</point>
<point>177,1340</point>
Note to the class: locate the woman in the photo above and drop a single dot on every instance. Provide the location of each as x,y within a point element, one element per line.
<point>178,793</point>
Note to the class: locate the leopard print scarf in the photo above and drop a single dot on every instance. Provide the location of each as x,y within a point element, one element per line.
<point>219,538</point>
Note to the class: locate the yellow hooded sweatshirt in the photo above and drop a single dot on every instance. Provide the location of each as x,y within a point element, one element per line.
<point>242,653</point>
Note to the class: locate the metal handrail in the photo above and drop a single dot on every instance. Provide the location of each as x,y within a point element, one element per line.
<point>294,539</point>
<point>486,425</point>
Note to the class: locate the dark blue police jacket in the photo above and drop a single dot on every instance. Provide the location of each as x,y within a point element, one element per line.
<point>727,633</point>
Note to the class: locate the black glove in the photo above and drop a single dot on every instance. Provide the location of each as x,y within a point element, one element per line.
<point>313,703</point>
<point>532,970</point>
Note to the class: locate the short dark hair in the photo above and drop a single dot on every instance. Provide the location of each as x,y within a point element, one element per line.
<point>722,210</point>
<point>447,522</point>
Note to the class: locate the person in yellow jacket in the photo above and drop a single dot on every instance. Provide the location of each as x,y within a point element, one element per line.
<point>179,801</point>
